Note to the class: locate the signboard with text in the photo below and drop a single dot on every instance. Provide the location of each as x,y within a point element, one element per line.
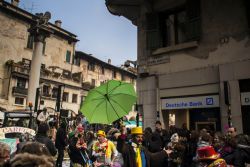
<point>17,129</point>
<point>245,98</point>
<point>190,102</point>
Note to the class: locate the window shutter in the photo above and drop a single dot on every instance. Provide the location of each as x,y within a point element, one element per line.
<point>30,41</point>
<point>193,20</point>
<point>44,46</point>
<point>68,56</point>
<point>152,31</point>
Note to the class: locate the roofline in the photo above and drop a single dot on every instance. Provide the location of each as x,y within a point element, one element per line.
<point>88,57</point>
<point>31,18</point>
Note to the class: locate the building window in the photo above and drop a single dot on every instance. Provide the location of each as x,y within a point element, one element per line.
<point>93,82</point>
<point>114,74</point>
<point>103,70</point>
<point>76,60</point>
<point>44,46</point>
<point>26,63</point>
<point>30,42</point>
<point>54,92</point>
<point>68,56</point>
<point>46,90</point>
<point>91,66</point>
<point>123,77</point>
<point>174,26</point>
<point>19,100</point>
<point>74,98</point>
<point>21,83</point>
<point>65,96</point>
<point>82,100</point>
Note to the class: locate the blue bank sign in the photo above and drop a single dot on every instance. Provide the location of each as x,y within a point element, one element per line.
<point>190,102</point>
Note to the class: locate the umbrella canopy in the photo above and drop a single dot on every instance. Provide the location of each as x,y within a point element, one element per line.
<point>109,102</point>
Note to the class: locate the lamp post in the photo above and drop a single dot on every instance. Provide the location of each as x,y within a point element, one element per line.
<point>40,31</point>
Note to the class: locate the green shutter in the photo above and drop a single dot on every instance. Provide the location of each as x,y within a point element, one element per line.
<point>30,41</point>
<point>68,56</point>
<point>152,31</point>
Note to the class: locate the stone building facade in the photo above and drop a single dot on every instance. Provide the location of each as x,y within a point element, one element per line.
<point>61,67</point>
<point>193,61</point>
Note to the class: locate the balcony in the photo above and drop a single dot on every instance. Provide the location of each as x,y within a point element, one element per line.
<point>19,91</point>
<point>87,86</point>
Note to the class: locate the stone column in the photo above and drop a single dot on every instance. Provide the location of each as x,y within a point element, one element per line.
<point>39,30</point>
<point>35,68</point>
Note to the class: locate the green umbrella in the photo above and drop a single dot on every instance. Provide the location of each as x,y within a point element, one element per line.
<point>109,102</point>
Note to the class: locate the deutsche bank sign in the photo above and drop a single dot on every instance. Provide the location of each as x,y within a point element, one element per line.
<point>190,102</point>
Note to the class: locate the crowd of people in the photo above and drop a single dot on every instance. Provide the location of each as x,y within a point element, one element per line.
<point>122,147</point>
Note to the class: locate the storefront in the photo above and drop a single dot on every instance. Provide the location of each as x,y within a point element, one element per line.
<point>197,111</point>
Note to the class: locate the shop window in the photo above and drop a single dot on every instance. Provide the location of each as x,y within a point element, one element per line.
<point>65,97</point>
<point>171,119</point>
<point>21,83</point>
<point>74,98</point>
<point>91,66</point>
<point>68,56</point>
<point>19,100</point>
<point>30,42</point>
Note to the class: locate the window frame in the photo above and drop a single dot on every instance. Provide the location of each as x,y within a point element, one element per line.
<point>68,56</point>
<point>65,95</point>
<point>74,98</point>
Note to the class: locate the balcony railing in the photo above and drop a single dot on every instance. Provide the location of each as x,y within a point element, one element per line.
<point>19,90</point>
<point>87,85</point>
<point>76,77</point>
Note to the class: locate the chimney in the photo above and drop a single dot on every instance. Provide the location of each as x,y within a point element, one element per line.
<point>58,23</point>
<point>109,61</point>
<point>15,2</point>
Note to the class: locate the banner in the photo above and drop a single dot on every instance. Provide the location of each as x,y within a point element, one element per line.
<point>17,129</point>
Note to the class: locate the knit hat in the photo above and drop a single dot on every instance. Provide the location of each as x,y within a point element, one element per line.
<point>137,131</point>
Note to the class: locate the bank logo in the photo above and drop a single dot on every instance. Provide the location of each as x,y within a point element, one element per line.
<point>209,101</point>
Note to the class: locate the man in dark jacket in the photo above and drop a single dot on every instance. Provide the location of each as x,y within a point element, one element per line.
<point>42,137</point>
<point>136,155</point>
<point>61,143</point>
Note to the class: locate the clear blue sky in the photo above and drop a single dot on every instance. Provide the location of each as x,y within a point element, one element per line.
<point>100,33</point>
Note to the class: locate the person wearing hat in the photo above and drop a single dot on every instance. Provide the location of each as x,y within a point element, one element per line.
<point>43,116</point>
<point>78,147</point>
<point>103,150</point>
<point>208,157</point>
<point>135,154</point>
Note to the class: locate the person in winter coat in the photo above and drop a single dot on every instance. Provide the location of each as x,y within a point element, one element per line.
<point>61,143</point>
<point>78,147</point>
<point>241,154</point>
<point>43,138</point>
<point>135,154</point>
